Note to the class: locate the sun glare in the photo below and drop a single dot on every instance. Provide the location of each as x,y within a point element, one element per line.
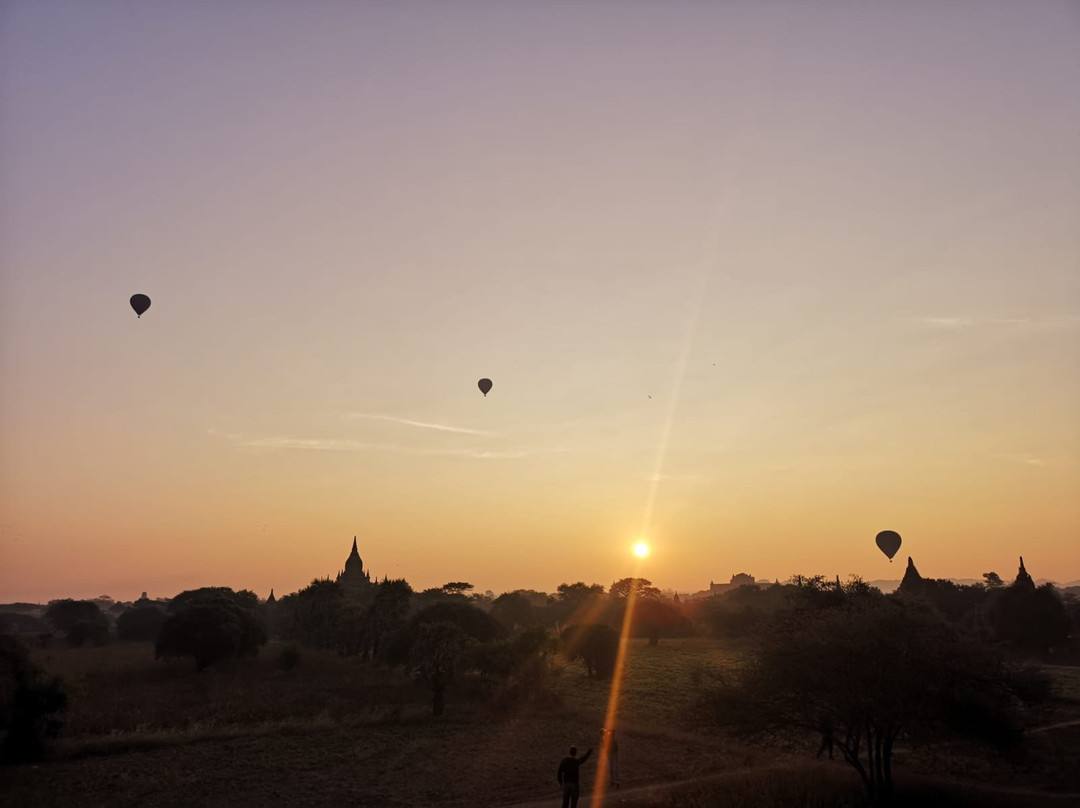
<point>641,549</point>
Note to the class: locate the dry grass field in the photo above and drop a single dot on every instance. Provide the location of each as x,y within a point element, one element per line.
<point>333,731</point>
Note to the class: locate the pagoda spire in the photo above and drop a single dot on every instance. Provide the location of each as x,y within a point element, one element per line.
<point>1023,578</point>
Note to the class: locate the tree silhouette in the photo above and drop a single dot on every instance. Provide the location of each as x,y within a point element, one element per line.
<point>316,613</point>
<point>29,703</point>
<point>434,657</point>
<point>1033,620</point>
<point>640,587</point>
<point>992,580</point>
<point>513,610</point>
<point>387,613</point>
<point>575,602</point>
<point>865,672</point>
<point>596,645</point>
<point>244,598</point>
<point>140,623</point>
<point>457,588</point>
<point>81,621</point>
<point>210,630</point>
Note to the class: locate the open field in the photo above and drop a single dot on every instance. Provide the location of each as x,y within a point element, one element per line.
<point>333,731</point>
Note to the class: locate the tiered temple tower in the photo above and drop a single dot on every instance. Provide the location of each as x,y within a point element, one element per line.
<point>353,579</point>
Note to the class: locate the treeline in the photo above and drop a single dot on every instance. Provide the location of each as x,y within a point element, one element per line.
<point>506,643</point>
<point>1021,618</point>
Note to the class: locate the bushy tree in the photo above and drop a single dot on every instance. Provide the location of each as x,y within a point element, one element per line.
<point>435,656</point>
<point>519,667</point>
<point>991,580</point>
<point>864,672</point>
<point>140,623</point>
<point>655,618</point>
<point>639,587</point>
<point>81,621</point>
<point>576,603</point>
<point>386,615</point>
<point>511,656</point>
<point>316,613</point>
<point>1030,620</point>
<point>210,630</point>
<point>476,625</point>
<point>29,704</point>
<point>514,610</point>
<point>596,645</point>
<point>244,598</point>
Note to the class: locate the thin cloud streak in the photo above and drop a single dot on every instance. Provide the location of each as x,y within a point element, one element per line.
<point>287,442</point>
<point>961,323</point>
<point>356,416</point>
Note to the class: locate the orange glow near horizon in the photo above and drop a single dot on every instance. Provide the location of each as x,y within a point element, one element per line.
<point>783,302</point>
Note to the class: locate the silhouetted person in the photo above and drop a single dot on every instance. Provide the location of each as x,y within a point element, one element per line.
<point>612,755</point>
<point>568,777</point>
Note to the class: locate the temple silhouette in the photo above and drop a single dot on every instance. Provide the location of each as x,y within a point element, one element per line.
<point>354,580</point>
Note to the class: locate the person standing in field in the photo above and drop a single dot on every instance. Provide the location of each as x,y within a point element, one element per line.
<point>609,745</point>
<point>569,778</point>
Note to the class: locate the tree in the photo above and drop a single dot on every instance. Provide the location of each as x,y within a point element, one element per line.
<point>209,631</point>
<point>140,623</point>
<point>864,672</point>
<point>316,612</point>
<point>457,588</point>
<point>578,593</point>
<point>596,645</point>
<point>1032,620</point>
<point>513,610</point>
<point>992,580</point>
<point>244,598</point>
<point>81,621</point>
<point>576,602</point>
<point>29,704</point>
<point>434,656</point>
<point>654,617</point>
<point>387,613</point>
<point>640,587</point>
<point>475,624</point>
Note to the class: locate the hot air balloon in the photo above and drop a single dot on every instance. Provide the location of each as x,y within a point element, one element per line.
<point>888,541</point>
<point>140,303</point>
<point>485,386</point>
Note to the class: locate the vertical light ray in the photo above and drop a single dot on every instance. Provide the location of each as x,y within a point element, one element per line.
<point>711,260</point>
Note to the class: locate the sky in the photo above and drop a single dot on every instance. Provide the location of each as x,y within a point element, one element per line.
<point>753,282</point>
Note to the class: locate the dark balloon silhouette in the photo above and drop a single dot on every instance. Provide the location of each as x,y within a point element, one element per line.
<point>140,303</point>
<point>485,386</point>
<point>888,541</point>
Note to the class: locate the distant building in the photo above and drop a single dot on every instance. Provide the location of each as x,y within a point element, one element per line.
<point>737,580</point>
<point>353,579</point>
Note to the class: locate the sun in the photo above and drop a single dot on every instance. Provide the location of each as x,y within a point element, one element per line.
<point>641,549</point>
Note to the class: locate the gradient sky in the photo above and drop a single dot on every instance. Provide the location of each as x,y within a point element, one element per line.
<point>754,280</point>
